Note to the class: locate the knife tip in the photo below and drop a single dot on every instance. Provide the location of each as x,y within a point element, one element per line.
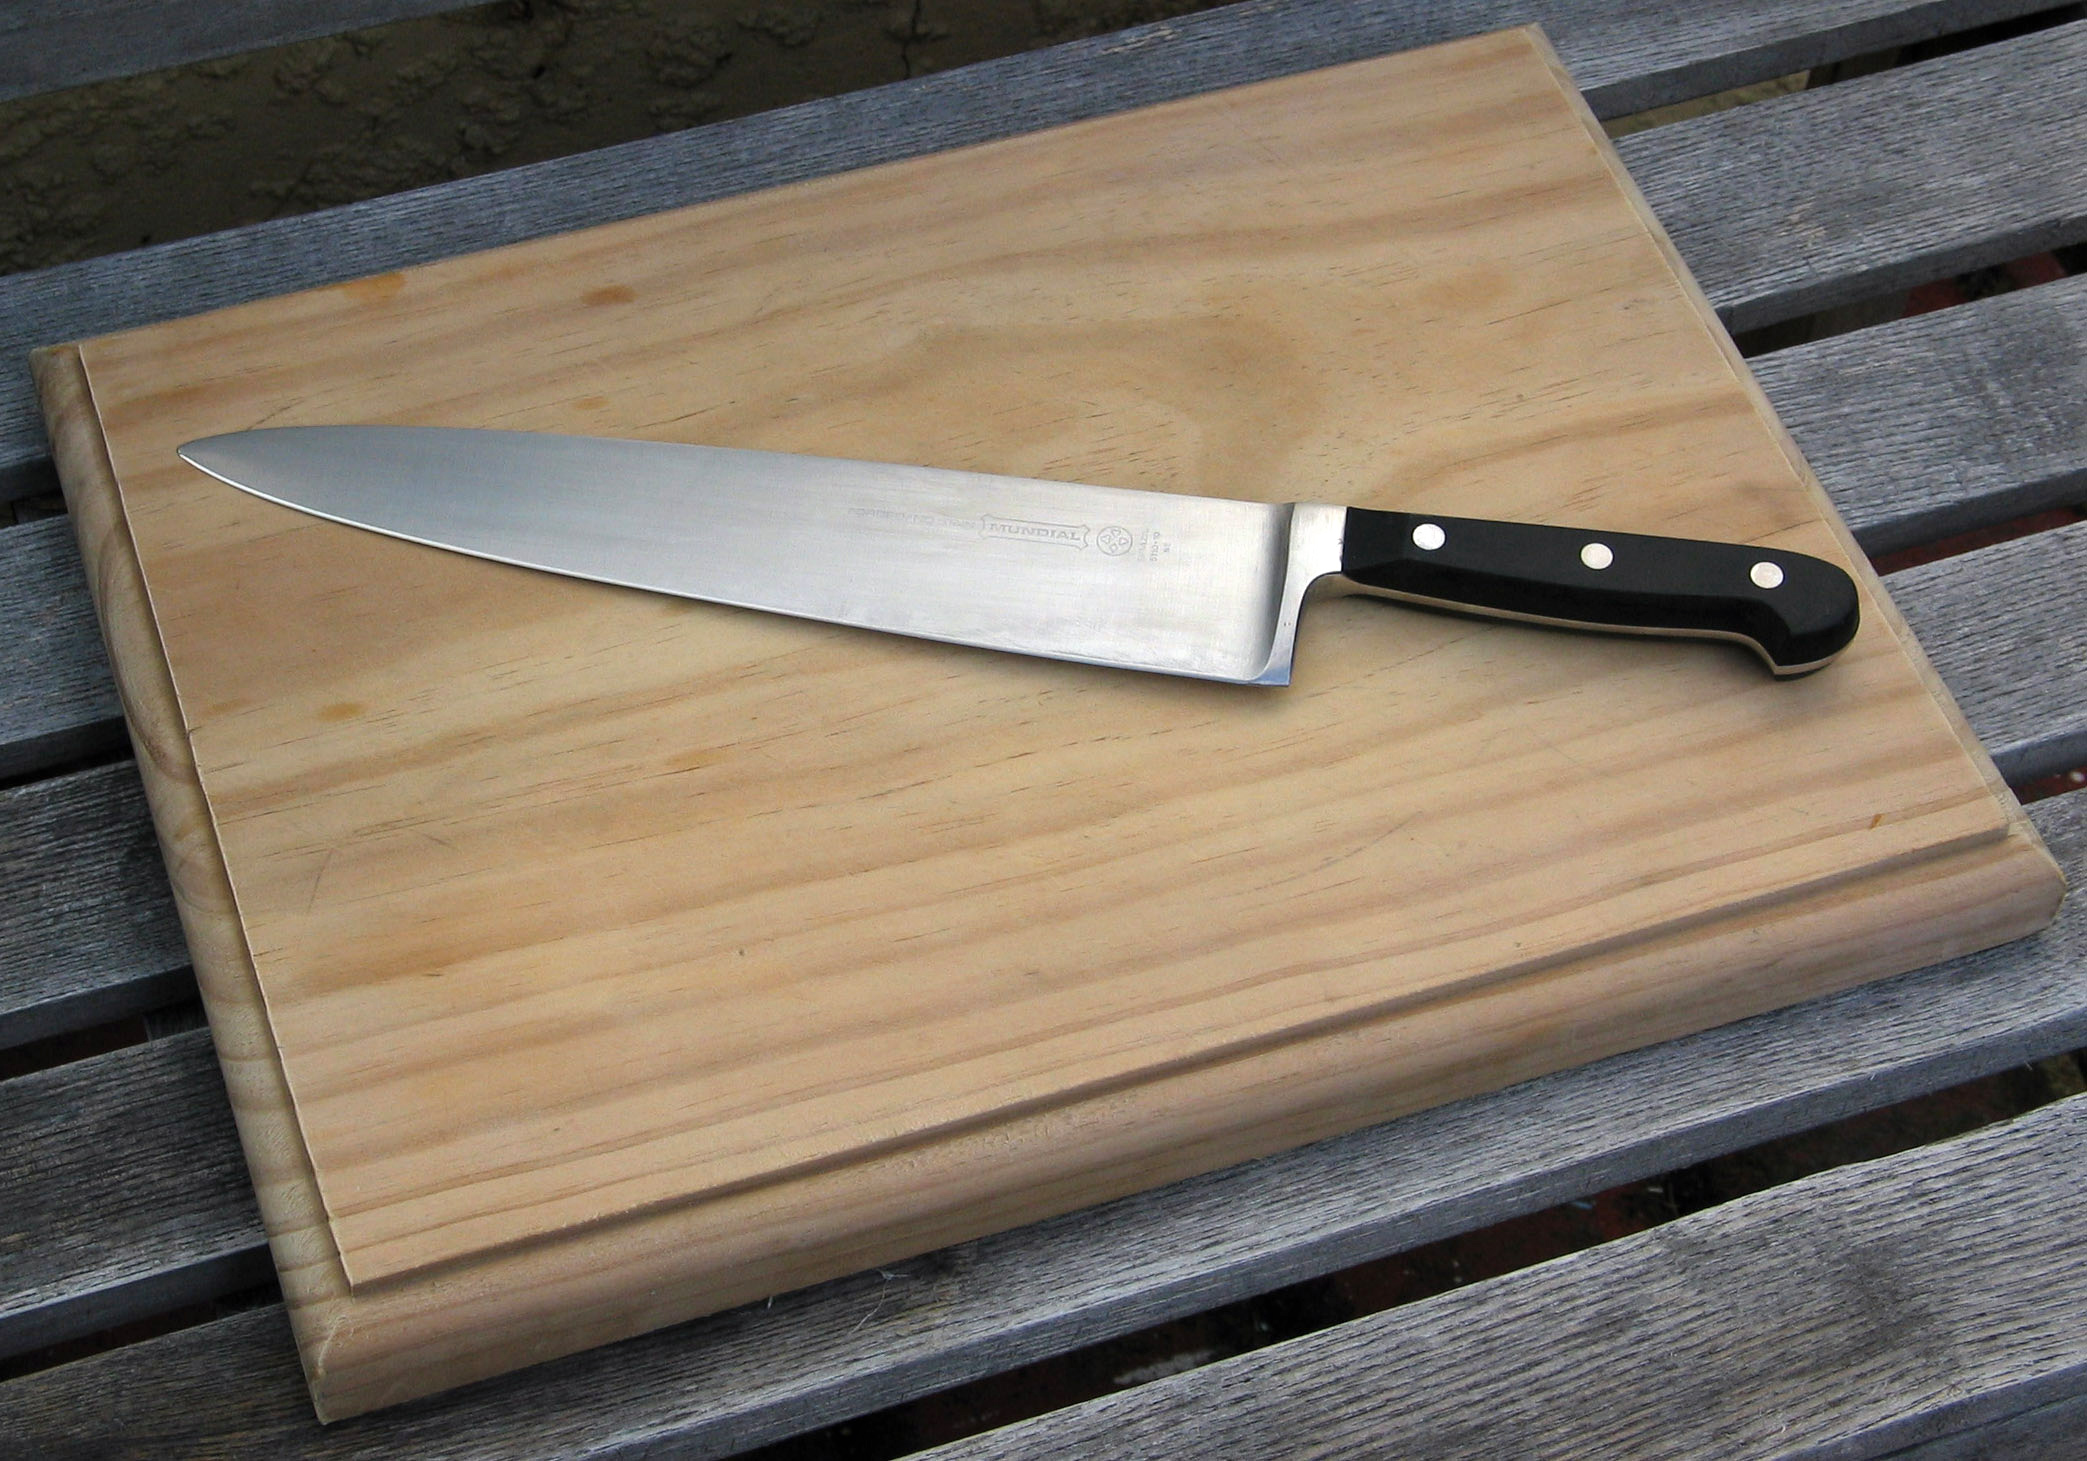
<point>213,454</point>
<point>194,452</point>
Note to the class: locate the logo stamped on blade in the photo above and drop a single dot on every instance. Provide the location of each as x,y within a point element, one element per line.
<point>1115,540</point>
<point>1070,535</point>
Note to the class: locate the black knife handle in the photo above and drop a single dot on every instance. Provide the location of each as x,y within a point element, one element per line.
<point>1795,611</point>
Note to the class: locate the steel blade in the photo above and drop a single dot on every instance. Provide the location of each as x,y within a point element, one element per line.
<point>1199,586</point>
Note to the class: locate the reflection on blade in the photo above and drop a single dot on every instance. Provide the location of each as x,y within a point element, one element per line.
<point>1142,580</point>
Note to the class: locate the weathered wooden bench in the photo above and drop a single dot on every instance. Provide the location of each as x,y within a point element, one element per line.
<point>1926,1304</point>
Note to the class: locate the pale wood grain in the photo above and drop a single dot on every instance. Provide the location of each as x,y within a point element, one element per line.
<point>92,1263</point>
<point>1846,1314</point>
<point>168,1410</point>
<point>389,752</point>
<point>768,1371</point>
<point>207,1378</point>
<point>1934,424</point>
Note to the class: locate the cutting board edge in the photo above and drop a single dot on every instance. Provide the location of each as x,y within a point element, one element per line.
<point>1856,559</point>
<point>382,1262</point>
<point>285,1186</point>
<point>574,1290</point>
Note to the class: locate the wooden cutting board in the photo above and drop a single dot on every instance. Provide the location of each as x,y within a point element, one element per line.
<point>584,960</point>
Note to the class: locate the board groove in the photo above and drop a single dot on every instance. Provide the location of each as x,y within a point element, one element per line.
<point>714,1386</point>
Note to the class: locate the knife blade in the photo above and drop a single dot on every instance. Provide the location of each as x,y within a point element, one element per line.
<point>1199,586</point>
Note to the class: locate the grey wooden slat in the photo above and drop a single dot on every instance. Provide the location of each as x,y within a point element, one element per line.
<point>47,45</point>
<point>90,933</point>
<point>1853,191</point>
<point>1944,422</point>
<point>113,1163</point>
<point>56,698</point>
<point>1844,1313</point>
<point>2006,628</point>
<point>1625,57</point>
<point>754,1374</point>
<point>2051,1431</point>
<point>106,1408</point>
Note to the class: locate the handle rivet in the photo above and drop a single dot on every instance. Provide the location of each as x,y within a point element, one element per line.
<point>1597,555</point>
<point>1765,575</point>
<point>1428,537</point>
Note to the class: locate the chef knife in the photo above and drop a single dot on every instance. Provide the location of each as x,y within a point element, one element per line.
<point>1200,586</point>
